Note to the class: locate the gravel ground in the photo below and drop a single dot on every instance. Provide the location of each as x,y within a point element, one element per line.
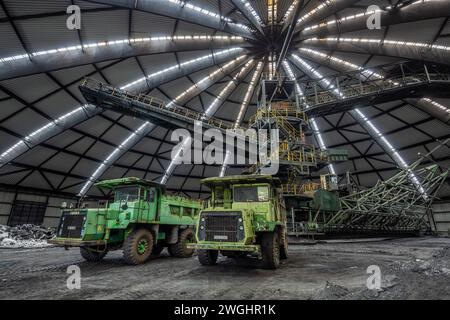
<point>414,268</point>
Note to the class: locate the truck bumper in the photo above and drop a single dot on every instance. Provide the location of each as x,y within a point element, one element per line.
<point>225,247</point>
<point>61,242</point>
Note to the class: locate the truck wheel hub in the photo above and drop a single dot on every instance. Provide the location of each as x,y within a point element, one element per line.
<point>142,246</point>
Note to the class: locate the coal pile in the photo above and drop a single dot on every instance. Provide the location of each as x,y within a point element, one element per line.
<point>25,236</point>
<point>438,264</point>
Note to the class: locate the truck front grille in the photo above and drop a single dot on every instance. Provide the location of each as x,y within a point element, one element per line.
<point>221,227</point>
<point>71,225</point>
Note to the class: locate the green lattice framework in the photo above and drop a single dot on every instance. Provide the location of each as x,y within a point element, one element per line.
<point>400,204</point>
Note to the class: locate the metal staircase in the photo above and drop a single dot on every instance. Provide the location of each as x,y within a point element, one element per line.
<point>279,108</point>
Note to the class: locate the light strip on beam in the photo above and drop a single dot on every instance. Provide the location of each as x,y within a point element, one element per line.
<point>125,146</point>
<point>132,139</point>
<point>252,11</point>
<point>248,94</point>
<point>244,105</point>
<point>272,10</point>
<point>211,75</point>
<point>385,42</point>
<point>314,11</point>
<point>116,43</point>
<point>368,73</point>
<point>172,164</point>
<point>343,19</point>
<point>327,83</point>
<point>41,130</point>
<point>213,107</point>
<point>366,13</point>
<point>420,2</point>
<point>315,127</point>
<point>289,11</point>
<point>178,66</point>
<point>187,5</point>
<point>384,141</point>
<point>397,157</point>
<point>23,144</point>
<point>205,12</point>
<point>438,105</point>
<point>272,65</point>
<point>291,75</point>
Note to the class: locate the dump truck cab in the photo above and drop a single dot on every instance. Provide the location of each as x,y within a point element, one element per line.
<point>141,218</point>
<point>244,216</point>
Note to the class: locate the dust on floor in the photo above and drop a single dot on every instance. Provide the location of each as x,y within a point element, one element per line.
<point>413,268</point>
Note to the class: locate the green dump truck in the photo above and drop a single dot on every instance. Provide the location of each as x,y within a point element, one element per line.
<point>245,217</point>
<point>142,219</point>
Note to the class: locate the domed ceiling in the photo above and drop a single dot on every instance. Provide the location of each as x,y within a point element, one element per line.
<point>51,141</point>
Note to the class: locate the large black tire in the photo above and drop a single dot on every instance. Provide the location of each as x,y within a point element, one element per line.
<point>138,246</point>
<point>92,254</point>
<point>208,257</point>
<point>270,250</point>
<point>284,244</point>
<point>179,249</point>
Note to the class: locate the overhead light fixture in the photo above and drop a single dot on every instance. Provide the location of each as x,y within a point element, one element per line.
<point>376,133</point>
<point>178,66</point>
<point>313,121</point>
<point>380,41</point>
<point>189,6</point>
<point>206,115</point>
<point>117,43</point>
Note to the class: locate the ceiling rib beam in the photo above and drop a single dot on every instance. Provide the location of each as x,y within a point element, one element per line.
<point>176,10</point>
<point>246,10</point>
<point>400,50</point>
<point>426,105</point>
<point>360,117</point>
<point>80,114</point>
<point>83,55</point>
<point>136,136</point>
<point>323,10</point>
<point>412,13</point>
<point>53,14</point>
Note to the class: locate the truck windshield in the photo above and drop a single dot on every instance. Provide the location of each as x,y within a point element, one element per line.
<point>126,194</point>
<point>251,194</point>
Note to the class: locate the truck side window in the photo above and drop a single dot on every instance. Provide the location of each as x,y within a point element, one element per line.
<point>151,195</point>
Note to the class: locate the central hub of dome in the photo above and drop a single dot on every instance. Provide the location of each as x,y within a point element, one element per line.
<point>274,46</point>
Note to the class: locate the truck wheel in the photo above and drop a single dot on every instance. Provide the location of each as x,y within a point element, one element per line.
<point>284,245</point>
<point>270,250</point>
<point>179,249</point>
<point>92,254</point>
<point>208,257</point>
<point>138,246</point>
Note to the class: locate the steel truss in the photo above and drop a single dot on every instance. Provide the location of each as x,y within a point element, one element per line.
<point>398,205</point>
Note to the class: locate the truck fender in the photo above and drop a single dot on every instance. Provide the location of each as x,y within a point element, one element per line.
<point>172,235</point>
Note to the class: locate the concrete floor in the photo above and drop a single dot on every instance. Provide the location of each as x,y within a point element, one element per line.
<point>414,268</point>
